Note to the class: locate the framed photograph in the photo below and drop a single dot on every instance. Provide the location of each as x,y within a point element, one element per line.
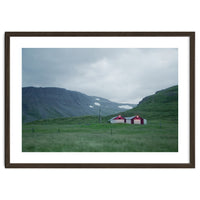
<point>99,100</point>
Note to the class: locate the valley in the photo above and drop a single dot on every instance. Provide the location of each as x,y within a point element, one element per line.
<point>89,134</point>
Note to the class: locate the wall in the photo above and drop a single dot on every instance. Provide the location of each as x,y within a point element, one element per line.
<point>117,121</point>
<point>98,184</point>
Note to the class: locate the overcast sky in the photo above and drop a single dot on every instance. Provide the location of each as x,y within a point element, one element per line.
<point>122,75</point>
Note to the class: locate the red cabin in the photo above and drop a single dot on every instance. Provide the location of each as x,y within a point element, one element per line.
<point>138,120</point>
<point>118,119</point>
<point>128,120</point>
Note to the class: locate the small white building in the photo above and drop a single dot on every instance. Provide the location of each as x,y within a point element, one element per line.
<point>128,120</point>
<point>117,120</point>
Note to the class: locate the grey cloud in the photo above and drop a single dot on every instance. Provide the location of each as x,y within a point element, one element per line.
<point>121,75</point>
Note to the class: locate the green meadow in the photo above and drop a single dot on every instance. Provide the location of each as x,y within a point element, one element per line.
<point>89,134</point>
<point>157,136</point>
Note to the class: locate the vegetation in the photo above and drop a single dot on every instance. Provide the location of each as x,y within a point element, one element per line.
<point>49,103</point>
<point>89,134</point>
<point>162,105</point>
<point>104,137</point>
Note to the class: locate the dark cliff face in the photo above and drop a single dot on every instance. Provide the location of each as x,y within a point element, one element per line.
<point>45,103</point>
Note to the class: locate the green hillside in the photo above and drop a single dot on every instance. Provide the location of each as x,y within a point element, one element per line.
<point>86,134</point>
<point>68,120</point>
<point>162,105</point>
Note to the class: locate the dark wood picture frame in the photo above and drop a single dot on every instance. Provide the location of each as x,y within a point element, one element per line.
<point>190,35</point>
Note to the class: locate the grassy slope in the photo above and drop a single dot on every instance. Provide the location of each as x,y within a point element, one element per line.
<point>163,106</point>
<point>85,134</point>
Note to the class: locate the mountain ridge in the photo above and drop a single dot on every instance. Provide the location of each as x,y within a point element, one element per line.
<point>160,106</point>
<point>53,102</point>
<point>163,104</point>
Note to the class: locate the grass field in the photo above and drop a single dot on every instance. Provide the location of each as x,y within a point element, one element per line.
<point>86,134</point>
<point>156,136</point>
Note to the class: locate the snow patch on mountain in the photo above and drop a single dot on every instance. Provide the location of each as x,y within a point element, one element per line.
<point>125,107</point>
<point>97,104</point>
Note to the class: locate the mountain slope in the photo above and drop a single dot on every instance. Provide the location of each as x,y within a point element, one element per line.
<point>161,105</point>
<point>46,103</point>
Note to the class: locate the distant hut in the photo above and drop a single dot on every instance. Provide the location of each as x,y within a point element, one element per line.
<point>118,119</point>
<point>129,120</point>
<point>138,120</point>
